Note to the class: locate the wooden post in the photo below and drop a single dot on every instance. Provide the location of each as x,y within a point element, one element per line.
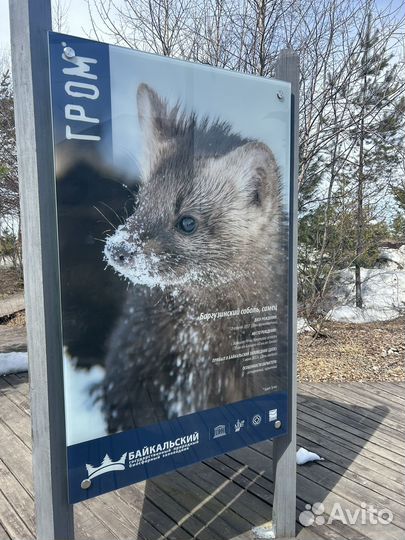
<point>284,448</point>
<point>30,20</point>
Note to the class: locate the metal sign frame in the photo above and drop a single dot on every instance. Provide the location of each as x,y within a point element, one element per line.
<point>30,22</point>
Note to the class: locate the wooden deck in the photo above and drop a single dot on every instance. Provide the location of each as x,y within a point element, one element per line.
<point>358,428</point>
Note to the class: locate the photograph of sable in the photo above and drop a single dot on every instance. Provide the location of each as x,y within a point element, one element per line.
<point>207,235</point>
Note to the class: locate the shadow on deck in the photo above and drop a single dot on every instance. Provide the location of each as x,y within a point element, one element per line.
<point>358,428</point>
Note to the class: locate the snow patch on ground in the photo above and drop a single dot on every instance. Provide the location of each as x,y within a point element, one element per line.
<point>383,291</point>
<point>392,258</point>
<point>84,418</point>
<point>13,362</point>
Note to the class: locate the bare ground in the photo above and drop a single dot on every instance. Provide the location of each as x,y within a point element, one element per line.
<point>354,352</point>
<point>10,282</point>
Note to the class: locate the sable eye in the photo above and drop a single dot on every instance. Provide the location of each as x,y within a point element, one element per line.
<point>187,225</point>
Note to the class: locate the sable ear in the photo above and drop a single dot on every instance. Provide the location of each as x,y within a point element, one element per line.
<point>254,171</point>
<point>152,114</point>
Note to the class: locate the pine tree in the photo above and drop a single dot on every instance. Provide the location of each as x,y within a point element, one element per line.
<point>376,109</point>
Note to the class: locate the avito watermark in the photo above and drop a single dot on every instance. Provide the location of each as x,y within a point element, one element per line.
<point>365,514</point>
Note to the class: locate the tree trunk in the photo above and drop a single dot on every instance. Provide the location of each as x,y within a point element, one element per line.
<point>360,180</point>
<point>360,221</point>
<point>357,277</point>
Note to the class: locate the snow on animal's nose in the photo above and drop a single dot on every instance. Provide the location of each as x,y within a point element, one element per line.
<point>122,252</point>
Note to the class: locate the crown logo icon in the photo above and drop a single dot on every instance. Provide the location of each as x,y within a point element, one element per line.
<point>107,465</point>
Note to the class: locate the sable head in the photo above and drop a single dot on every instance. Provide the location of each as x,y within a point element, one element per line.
<point>208,206</point>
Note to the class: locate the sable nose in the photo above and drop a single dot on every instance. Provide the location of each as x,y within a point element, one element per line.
<point>122,253</point>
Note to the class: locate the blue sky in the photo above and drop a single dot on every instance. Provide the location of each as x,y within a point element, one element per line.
<point>79,18</point>
<point>78,21</point>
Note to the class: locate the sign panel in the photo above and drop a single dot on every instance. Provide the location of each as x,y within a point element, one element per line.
<point>173,185</point>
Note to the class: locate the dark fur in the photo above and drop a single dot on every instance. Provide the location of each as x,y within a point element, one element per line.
<point>158,364</point>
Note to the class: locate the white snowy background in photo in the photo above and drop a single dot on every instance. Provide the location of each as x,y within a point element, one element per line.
<point>84,418</point>
<point>248,103</point>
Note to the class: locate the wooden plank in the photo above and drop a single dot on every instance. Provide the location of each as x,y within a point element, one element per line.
<point>23,375</point>
<point>364,416</point>
<point>385,391</point>
<point>349,490</point>
<point>317,437</point>
<point>236,508</point>
<point>373,397</point>
<point>262,482</point>
<point>356,395</point>
<point>375,451</point>
<point>245,536</point>
<point>345,423</point>
<point>16,420</point>
<point>3,533</point>
<point>18,497</point>
<point>335,410</point>
<point>19,384</point>
<point>366,446</point>
<point>352,426</point>
<point>371,479</point>
<point>194,501</point>
<point>117,520</point>
<point>109,511</point>
<point>150,516</point>
<point>376,492</point>
<point>30,20</point>
<point>13,395</point>
<point>157,501</point>
<point>205,508</point>
<point>248,480</point>
<point>11,521</point>
<point>17,458</point>
<point>19,425</point>
<point>361,474</point>
<point>309,533</point>
<point>393,389</point>
<point>351,401</point>
<point>307,490</point>
<point>316,486</point>
<point>288,69</point>
<point>361,482</point>
<point>251,509</point>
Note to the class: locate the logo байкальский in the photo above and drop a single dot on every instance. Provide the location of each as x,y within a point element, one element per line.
<point>107,465</point>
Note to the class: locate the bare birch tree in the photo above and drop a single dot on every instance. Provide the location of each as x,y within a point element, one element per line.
<point>246,35</point>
